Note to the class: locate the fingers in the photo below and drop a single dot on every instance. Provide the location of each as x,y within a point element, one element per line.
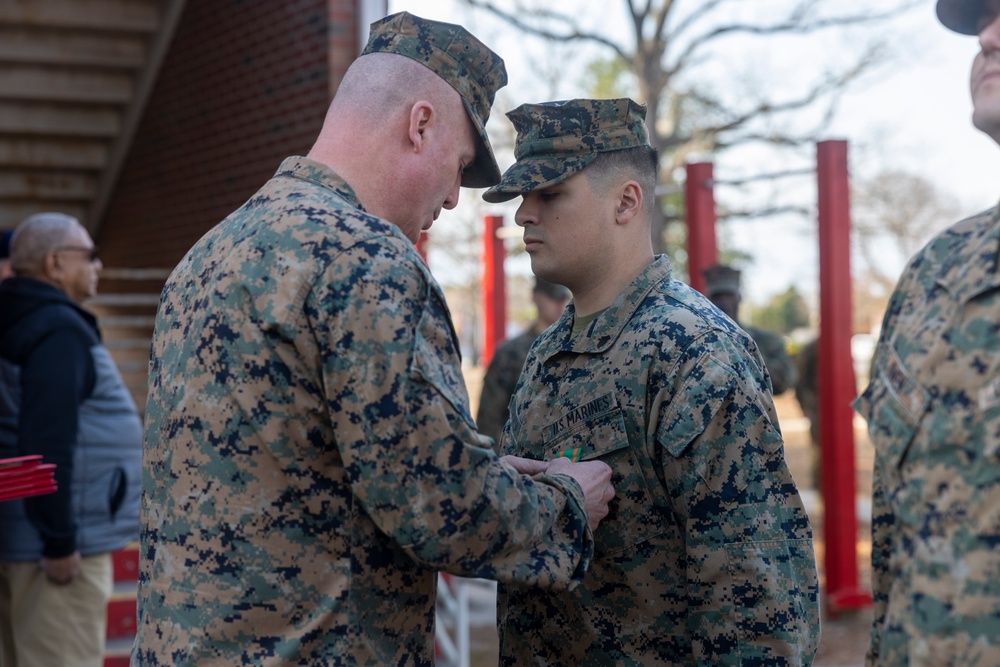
<point>594,478</point>
<point>61,571</point>
<point>526,466</point>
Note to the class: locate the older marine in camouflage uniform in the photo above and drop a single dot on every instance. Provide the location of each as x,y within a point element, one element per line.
<point>311,461</point>
<point>723,288</point>
<point>706,557</point>
<point>933,411</point>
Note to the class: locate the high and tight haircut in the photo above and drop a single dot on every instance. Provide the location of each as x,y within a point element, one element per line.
<point>378,84</point>
<point>639,163</point>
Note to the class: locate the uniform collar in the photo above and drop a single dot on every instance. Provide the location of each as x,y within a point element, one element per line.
<point>602,333</point>
<point>320,174</point>
<point>971,264</point>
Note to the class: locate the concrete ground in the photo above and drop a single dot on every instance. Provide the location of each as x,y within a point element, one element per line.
<point>845,635</point>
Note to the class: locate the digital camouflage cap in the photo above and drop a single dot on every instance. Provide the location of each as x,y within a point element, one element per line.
<point>557,139</point>
<point>966,16</point>
<point>455,55</point>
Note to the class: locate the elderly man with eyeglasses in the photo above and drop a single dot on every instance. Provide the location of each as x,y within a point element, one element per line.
<point>61,397</point>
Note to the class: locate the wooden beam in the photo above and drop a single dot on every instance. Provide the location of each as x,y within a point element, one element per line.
<point>58,186</point>
<point>113,15</point>
<point>55,47</point>
<point>60,120</point>
<point>12,213</point>
<point>43,153</point>
<point>24,82</point>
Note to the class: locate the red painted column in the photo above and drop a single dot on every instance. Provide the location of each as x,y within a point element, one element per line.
<point>494,288</point>
<point>835,372</point>
<point>699,214</point>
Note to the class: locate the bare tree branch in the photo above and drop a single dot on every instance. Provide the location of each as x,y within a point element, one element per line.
<point>572,35</point>
<point>685,116</point>
<point>793,25</point>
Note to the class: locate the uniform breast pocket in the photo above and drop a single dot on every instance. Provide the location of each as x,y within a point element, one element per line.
<point>633,517</point>
<point>892,419</point>
<point>989,404</point>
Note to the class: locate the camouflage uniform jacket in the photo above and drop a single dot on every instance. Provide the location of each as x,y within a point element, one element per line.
<point>933,411</point>
<point>499,382</point>
<point>310,458</point>
<point>706,557</point>
<point>781,368</point>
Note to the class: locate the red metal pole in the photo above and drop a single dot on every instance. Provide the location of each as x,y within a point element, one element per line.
<point>836,380</point>
<point>494,291</point>
<point>699,213</point>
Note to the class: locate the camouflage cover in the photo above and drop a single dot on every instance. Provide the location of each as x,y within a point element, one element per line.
<point>310,460</point>
<point>557,139</point>
<point>467,64</point>
<point>706,556</point>
<point>933,411</point>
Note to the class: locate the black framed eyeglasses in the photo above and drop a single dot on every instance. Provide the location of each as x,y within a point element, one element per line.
<point>94,252</point>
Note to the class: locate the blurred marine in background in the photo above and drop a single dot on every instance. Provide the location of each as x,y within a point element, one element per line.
<point>505,367</point>
<point>723,286</point>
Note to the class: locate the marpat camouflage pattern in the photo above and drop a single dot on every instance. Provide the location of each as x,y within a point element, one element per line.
<point>933,411</point>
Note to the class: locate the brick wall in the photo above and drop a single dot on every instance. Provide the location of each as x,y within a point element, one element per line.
<point>245,83</point>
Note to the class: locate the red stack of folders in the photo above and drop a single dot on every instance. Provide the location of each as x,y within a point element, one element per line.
<point>25,476</point>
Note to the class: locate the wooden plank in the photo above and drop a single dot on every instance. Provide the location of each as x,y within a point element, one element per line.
<point>128,344</point>
<point>125,300</point>
<point>112,15</point>
<point>133,366</point>
<point>137,274</point>
<point>61,119</point>
<point>127,322</point>
<point>58,186</point>
<point>53,153</point>
<point>25,82</point>
<point>12,213</point>
<point>50,47</point>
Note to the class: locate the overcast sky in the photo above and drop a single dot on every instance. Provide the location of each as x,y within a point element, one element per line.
<point>914,115</point>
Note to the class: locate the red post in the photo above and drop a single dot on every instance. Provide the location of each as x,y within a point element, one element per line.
<point>836,381</point>
<point>494,291</point>
<point>699,205</point>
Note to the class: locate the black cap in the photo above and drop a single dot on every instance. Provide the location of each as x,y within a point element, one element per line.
<point>966,17</point>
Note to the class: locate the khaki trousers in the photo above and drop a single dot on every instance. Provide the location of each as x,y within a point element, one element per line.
<point>45,625</point>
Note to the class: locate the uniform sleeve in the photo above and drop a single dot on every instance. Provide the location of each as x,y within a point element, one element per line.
<point>784,374</point>
<point>56,376</point>
<point>883,523</point>
<point>752,588</point>
<point>493,400</point>
<point>399,406</point>
<point>806,389</point>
